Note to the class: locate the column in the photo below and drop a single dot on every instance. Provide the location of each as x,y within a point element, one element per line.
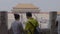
<point>3,22</point>
<point>53,16</point>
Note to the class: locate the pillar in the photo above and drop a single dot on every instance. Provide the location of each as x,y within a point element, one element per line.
<point>53,16</point>
<point>3,22</point>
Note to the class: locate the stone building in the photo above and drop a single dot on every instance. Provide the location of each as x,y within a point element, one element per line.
<point>23,8</point>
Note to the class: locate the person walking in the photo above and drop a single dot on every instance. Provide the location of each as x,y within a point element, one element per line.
<point>17,27</point>
<point>31,24</point>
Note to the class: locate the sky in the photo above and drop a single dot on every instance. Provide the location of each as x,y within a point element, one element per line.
<point>44,5</point>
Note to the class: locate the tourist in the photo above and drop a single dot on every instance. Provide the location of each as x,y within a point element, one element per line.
<point>17,25</point>
<point>31,24</point>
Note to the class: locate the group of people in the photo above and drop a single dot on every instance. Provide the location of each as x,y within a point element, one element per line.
<point>30,28</point>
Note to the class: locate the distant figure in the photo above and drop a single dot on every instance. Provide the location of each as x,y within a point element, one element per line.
<point>56,28</point>
<point>58,24</point>
<point>31,24</point>
<point>17,25</point>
